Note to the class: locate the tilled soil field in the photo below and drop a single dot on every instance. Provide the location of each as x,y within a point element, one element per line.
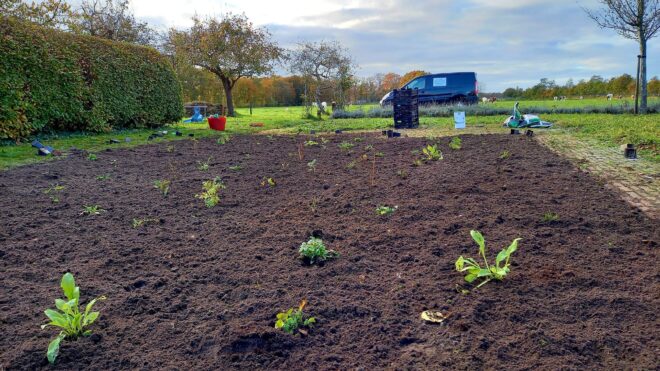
<point>198,288</point>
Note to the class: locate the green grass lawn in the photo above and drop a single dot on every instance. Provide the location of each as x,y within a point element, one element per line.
<point>609,130</point>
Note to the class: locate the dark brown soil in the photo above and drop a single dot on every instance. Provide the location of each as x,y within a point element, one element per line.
<point>200,288</point>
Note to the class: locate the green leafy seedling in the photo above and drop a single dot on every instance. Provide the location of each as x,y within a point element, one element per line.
<point>68,318</point>
<point>210,192</point>
<point>345,146</point>
<point>504,155</point>
<point>92,210</point>
<point>550,217</point>
<point>270,182</point>
<point>204,166</point>
<point>456,143</point>
<point>386,210</point>
<point>163,186</point>
<point>293,319</point>
<point>92,157</point>
<point>489,272</point>
<point>53,191</point>
<point>103,177</point>
<point>311,143</point>
<point>236,168</point>
<point>315,251</point>
<point>137,223</point>
<point>432,153</point>
<point>223,139</point>
<point>311,166</point>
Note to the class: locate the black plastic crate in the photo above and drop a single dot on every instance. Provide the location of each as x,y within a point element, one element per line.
<point>405,108</point>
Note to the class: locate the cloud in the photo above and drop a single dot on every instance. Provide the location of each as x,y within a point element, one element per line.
<point>507,42</point>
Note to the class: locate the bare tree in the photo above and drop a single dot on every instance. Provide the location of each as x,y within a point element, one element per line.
<point>324,62</point>
<point>231,48</point>
<point>111,19</point>
<point>633,19</point>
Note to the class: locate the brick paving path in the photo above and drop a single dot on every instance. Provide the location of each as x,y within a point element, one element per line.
<point>638,181</point>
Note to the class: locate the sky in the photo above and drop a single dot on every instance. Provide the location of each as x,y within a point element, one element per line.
<point>507,43</point>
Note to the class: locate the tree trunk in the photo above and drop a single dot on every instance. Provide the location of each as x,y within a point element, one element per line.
<point>319,107</point>
<point>642,76</point>
<point>226,83</point>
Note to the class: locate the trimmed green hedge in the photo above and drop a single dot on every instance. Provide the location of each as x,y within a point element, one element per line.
<point>56,81</point>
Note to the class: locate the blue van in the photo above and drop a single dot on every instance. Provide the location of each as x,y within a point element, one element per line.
<point>442,88</point>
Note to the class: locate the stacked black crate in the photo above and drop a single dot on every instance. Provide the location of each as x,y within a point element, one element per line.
<point>406,108</point>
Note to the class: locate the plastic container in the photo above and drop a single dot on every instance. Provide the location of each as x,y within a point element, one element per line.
<point>217,123</point>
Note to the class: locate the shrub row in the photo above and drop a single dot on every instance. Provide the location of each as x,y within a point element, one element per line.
<point>477,110</point>
<point>56,81</point>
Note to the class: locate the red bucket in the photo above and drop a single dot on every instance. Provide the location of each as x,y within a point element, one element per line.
<point>217,123</point>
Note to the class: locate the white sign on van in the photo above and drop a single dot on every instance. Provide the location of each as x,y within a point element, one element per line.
<point>459,120</point>
<point>439,82</point>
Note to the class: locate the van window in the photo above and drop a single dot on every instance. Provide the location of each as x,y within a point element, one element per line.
<point>419,83</point>
<point>439,82</point>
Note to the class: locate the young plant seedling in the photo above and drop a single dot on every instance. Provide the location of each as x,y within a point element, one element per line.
<point>417,162</point>
<point>314,251</point>
<point>383,210</point>
<point>311,166</point>
<point>92,210</point>
<point>345,146</point>
<point>455,143</point>
<point>358,140</point>
<point>432,153</point>
<point>550,217</point>
<point>379,154</point>
<point>314,204</point>
<point>223,139</point>
<point>204,166</point>
<point>103,177</point>
<point>68,318</point>
<point>53,192</point>
<point>402,174</point>
<point>270,182</point>
<point>92,157</point>
<point>293,319</point>
<point>170,148</point>
<point>236,168</point>
<point>311,143</point>
<point>351,165</point>
<point>210,192</point>
<point>504,155</point>
<point>163,186</point>
<point>488,272</point>
<point>137,223</point>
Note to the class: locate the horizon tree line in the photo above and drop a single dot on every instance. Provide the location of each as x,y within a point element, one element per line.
<point>228,58</point>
